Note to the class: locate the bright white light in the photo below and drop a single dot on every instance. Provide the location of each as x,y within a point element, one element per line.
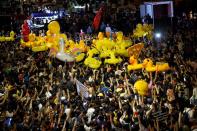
<point>48,11</point>
<point>79,7</point>
<point>158,35</point>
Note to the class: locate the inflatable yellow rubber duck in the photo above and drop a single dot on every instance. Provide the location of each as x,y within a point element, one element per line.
<point>104,54</point>
<point>2,38</point>
<point>92,62</point>
<point>159,67</point>
<point>112,59</point>
<point>54,35</point>
<point>8,38</point>
<point>80,57</point>
<point>54,27</point>
<point>134,64</point>
<point>77,53</point>
<point>39,44</point>
<point>141,87</point>
<point>49,40</point>
<point>82,46</point>
<point>32,38</point>
<point>121,50</point>
<point>143,30</point>
<point>121,45</point>
<point>92,52</point>
<point>100,36</point>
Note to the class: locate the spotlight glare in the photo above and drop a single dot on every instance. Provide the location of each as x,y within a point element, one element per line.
<point>158,35</point>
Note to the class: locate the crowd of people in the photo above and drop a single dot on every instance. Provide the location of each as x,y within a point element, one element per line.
<point>39,93</point>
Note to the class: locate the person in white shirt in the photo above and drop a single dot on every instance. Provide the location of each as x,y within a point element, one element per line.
<point>108,30</point>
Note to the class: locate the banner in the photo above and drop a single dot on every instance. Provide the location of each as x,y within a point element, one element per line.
<point>97,18</point>
<point>135,50</point>
<point>82,90</point>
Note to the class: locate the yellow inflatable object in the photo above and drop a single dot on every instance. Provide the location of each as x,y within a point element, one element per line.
<point>134,64</point>
<point>32,37</point>
<point>54,27</point>
<point>159,67</point>
<point>92,52</point>
<point>134,52</point>
<point>92,63</point>
<point>82,46</point>
<point>119,36</point>
<point>31,42</point>
<point>143,30</point>
<point>39,48</point>
<point>122,51</point>
<point>80,57</point>
<point>2,38</point>
<point>93,42</point>
<point>39,41</point>
<point>23,44</point>
<point>105,44</point>
<point>63,36</point>
<point>134,67</point>
<point>100,36</point>
<point>112,59</point>
<point>141,87</point>
<point>70,44</point>
<point>104,54</point>
<point>121,45</point>
<point>7,38</point>
<point>12,34</point>
<point>50,45</point>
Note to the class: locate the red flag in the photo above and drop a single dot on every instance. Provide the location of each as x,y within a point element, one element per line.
<point>25,31</point>
<point>97,18</point>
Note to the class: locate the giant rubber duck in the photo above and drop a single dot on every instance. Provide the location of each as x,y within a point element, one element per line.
<point>39,44</point>
<point>134,52</point>
<point>90,61</point>
<point>121,45</point>
<point>143,30</point>
<point>8,38</point>
<point>54,34</point>
<point>134,64</point>
<point>159,67</point>
<point>113,59</point>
